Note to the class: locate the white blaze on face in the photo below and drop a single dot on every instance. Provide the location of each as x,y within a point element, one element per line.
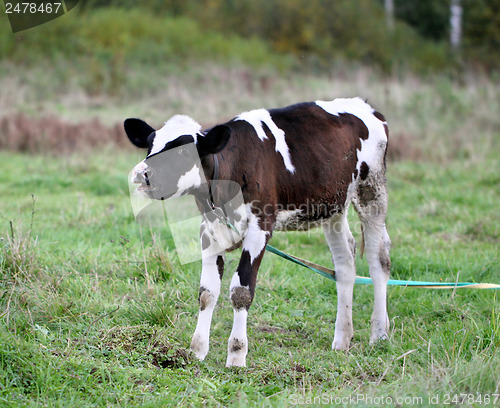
<point>178,125</point>
<point>256,118</point>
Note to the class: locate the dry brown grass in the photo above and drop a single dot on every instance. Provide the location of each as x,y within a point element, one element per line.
<point>403,147</point>
<point>50,134</point>
<point>435,119</point>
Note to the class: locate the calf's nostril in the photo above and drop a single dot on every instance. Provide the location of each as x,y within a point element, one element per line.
<point>146,179</point>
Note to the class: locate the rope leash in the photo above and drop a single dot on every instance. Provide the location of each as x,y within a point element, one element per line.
<point>330,274</point>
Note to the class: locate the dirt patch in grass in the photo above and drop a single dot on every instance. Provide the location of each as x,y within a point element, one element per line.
<point>265,328</point>
<point>165,355</point>
<point>148,341</point>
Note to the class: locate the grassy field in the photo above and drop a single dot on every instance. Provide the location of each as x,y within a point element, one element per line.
<point>94,316</point>
<point>97,311</point>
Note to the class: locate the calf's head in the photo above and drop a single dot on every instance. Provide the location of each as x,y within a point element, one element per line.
<point>172,166</point>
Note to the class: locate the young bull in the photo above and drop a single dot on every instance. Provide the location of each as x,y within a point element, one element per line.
<point>298,167</point>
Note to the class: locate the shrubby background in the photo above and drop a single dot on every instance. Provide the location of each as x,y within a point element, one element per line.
<point>318,33</point>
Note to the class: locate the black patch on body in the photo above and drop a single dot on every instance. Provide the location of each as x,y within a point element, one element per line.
<point>379,116</point>
<point>245,268</point>
<point>364,169</point>
<point>323,149</point>
<point>220,266</point>
<point>366,194</point>
<point>244,179</point>
<point>205,241</point>
<point>180,141</point>
<point>385,261</point>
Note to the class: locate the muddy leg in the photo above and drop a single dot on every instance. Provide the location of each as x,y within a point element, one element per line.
<point>211,275</point>
<point>342,246</point>
<point>242,291</point>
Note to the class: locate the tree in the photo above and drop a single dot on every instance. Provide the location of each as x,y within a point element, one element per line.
<point>429,17</point>
<point>455,24</point>
<point>389,13</point>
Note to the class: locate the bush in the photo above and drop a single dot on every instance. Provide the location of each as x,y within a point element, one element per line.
<point>116,36</point>
<point>325,31</point>
<point>319,32</point>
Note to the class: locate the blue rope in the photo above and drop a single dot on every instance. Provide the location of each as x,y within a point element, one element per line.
<point>330,274</point>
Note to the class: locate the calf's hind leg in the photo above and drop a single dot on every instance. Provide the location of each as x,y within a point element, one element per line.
<point>371,205</point>
<point>342,245</point>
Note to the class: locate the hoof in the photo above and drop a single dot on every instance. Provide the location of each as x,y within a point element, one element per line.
<point>379,331</point>
<point>340,345</point>
<point>236,361</point>
<point>199,347</point>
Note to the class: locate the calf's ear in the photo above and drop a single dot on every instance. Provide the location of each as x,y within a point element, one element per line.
<point>214,141</point>
<point>138,131</point>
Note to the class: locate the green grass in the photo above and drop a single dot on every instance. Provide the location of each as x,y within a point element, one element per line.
<point>97,311</point>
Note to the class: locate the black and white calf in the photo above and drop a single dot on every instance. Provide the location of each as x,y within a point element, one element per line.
<point>298,167</point>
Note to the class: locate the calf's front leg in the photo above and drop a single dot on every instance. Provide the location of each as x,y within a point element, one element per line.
<point>242,290</point>
<point>210,282</point>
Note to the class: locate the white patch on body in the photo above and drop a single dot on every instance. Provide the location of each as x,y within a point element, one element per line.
<point>286,216</point>
<point>255,240</point>
<point>259,116</point>
<point>222,237</point>
<point>236,283</point>
<point>288,220</point>
<point>176,126</point>
<point>241,224</point>
<point>373,147</point>
<point>190,179</point>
